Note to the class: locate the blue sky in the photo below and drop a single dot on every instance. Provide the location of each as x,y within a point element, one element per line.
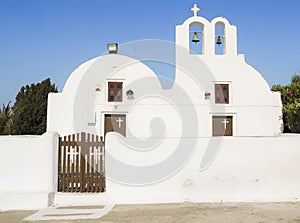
<point>50,38</point>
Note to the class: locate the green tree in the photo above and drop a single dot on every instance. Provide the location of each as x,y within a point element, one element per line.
<point>290,96</point>
<point>295,78</point>
<point>30,108</point>
<point>5,119</point>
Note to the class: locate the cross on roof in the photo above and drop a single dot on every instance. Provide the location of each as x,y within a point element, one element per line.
<point>195,10</point>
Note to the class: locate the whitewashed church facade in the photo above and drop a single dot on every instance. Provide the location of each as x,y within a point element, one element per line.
<point>119,93</point>
<point>214,135</point>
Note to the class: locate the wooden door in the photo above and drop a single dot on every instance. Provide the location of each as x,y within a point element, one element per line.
<point>115,123</point>
<point>222,125</point>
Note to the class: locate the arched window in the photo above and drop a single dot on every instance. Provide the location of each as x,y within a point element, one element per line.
<point>196,38</point>
<point>220,39</point>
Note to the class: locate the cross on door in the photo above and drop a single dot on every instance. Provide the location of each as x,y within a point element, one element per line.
<point>119,122</point>
<point>115,123</point>
<point>225,122</point>
<point>222,126</point>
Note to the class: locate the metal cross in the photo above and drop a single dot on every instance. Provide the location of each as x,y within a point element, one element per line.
<point>120,122</point>
<point>225,122</point>
<point>72,154</point>
<point>195,10</point>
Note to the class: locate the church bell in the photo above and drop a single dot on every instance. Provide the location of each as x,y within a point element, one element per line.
<point>195,38</point>
<point>219,41</point>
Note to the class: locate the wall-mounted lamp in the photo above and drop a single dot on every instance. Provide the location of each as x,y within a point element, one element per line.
<point>207,95</point>
<point>130,94</point>
<point>112,48</point>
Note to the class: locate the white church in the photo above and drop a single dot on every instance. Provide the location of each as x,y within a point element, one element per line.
<point>116,134</point>
<point>230,98</point>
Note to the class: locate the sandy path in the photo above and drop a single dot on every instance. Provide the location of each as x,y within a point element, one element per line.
<point>187,212</point>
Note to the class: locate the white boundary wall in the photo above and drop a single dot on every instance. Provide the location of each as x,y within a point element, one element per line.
<point>27,171</point>
<point>246,169</point>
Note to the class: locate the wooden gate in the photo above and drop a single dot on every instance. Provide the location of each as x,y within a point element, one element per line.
<point>81,163</point>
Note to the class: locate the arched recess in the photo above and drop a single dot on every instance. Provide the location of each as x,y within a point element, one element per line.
<point>220,38</point>
<point>196,28</point>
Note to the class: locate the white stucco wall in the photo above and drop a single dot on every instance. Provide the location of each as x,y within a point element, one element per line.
<point>245,169</point>
<point>257,109</point>
<point>27,171</point>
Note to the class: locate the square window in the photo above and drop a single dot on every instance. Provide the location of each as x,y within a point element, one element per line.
<point>115,90</point>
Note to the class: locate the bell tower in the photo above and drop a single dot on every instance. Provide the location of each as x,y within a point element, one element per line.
<point>202,37</point>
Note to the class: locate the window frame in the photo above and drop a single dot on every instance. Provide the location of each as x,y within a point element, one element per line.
<point>116,89</point>
<point>228,91</point>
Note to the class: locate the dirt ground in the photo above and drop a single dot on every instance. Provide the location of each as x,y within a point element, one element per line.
<point>187,213</point>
